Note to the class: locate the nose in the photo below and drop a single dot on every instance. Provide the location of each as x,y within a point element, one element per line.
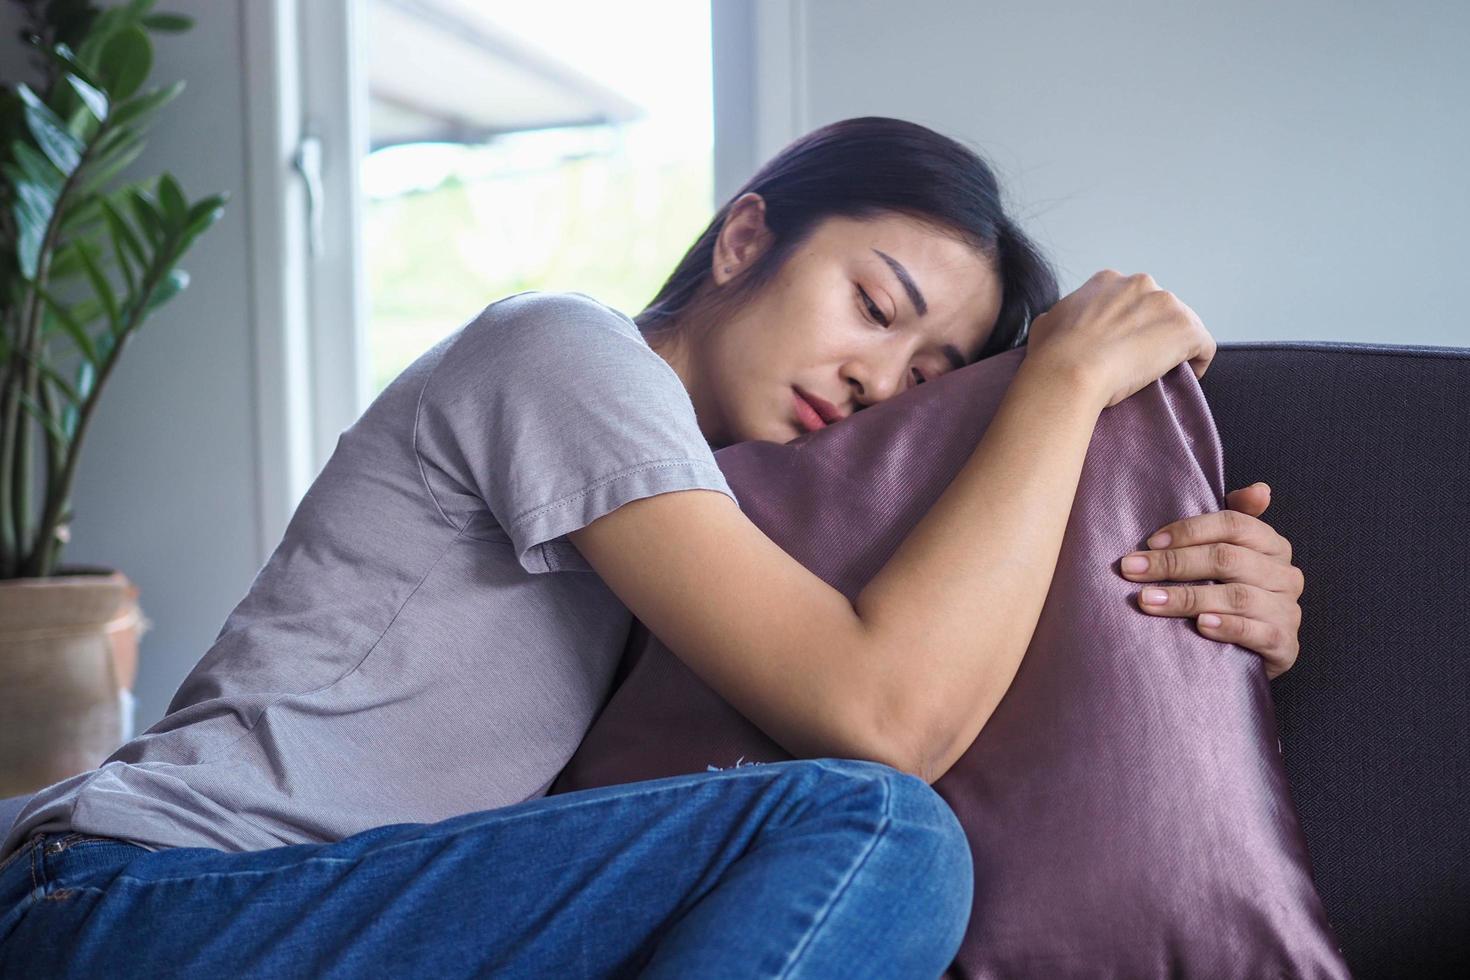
<point>875,381</point>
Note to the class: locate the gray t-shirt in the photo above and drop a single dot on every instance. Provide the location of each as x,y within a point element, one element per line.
<point>400,657</point>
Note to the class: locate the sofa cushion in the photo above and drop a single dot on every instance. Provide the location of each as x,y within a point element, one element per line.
<point>1126,804</point>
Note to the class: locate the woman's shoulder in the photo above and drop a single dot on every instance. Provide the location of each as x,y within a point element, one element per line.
<point>553,311</point>
<point>534,344</point>
<point>544,334</point>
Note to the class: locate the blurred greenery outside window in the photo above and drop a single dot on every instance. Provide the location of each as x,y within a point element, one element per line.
<point>606,221</point>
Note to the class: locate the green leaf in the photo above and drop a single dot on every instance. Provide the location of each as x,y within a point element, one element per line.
<point>86,378</point>
<point>208,204</point>
<point>173,23</point>
<point>116,134</point>
<point>65,101</point>
<point>172,198</point>
<point>101,172</point>
<point>201,217</point>
<point>95,101</point>
<point>119,254</point>
<point>100,285</point>
<point>126,60</point>
<point>69,61</point>
<point>106,24</point>
<point>141,105</point>
<point>69,418</point>
<point>80,213</point>
<point>36,167</point>
<point>79,121</point>
<point>33,209</point>
<point>117,146</point>
<point>124,241</point>
<point>51,134</point>
<point>87,309</point>
<point>50,373</point>
<point>119,226</point>
<point>148,216</point>
<point>42,416</point>
<point>64,264</point>
<point>170,287</point>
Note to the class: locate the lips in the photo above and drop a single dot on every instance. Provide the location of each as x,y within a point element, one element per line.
<point>828,412</point>
<point>806,415</point>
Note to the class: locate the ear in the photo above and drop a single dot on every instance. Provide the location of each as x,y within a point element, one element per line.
<point>743,237</point>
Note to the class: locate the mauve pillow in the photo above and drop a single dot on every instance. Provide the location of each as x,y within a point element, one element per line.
<point>1126,804</point>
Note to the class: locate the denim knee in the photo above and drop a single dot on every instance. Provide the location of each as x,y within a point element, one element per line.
<point>925,854</point>
<point>905,797</point>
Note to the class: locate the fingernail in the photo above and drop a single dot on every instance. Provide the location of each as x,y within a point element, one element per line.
<point>1209,619</point>
<point>1135,563</point>
<point>1155,597</point>
<point>1160,540</point>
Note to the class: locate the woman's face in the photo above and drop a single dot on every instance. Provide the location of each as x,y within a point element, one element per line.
<point>861,312</point>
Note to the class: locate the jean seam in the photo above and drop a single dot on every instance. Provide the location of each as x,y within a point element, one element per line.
<point>94,841</point>
<point>795,958</point>
<point>21,849</point>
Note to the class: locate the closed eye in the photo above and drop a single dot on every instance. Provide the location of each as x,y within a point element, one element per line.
<point>873,310</point>
<point>878,317</point>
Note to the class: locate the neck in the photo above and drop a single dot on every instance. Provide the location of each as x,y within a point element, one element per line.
<point>671,345</point>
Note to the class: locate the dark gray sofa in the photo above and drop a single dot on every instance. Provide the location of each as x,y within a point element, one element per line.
<point>1367,450</point>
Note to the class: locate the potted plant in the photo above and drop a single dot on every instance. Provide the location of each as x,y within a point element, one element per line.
<point>84,260</point>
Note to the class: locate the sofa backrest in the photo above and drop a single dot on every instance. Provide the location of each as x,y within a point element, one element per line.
<point>1367,451</point>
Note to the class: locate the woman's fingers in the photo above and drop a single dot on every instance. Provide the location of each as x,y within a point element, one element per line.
<point>1219,561</point>
<point>1255,618</point>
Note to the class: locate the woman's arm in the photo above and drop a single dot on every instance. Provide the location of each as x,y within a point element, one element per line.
<point>898,676</point>
<point>980,562</point>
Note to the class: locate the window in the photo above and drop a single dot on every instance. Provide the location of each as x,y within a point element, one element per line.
<point>561,145</point>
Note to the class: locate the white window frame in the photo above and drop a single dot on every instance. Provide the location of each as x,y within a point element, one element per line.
<point>760,84</point>
<point>306,78</point>
<point>303,79</point>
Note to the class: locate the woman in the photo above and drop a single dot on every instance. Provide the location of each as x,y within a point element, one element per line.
<point>352,778</point>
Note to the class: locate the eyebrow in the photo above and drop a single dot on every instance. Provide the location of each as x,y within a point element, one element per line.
<point>951,352</point>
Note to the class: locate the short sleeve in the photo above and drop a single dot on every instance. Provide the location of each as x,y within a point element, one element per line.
<point>550,410</point>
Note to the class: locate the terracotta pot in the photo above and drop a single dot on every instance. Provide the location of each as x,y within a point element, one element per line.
<point>68,660</point>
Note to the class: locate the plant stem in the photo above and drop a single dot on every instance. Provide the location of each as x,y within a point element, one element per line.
<point>9,547</point>
<point>11,464</point>
<point>53,445</point>
<point>39,561</point>
<point>22,473</point>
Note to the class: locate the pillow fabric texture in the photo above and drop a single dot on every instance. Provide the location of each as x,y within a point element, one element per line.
<point>1126,805</point>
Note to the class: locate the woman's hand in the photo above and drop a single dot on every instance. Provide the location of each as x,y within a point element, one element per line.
<point>1124,332</point>
<point>1256,604</point>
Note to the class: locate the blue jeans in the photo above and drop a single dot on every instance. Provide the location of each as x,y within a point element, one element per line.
<point>808,868</point>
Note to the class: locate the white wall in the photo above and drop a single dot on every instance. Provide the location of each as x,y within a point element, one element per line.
<point>1291,170</point>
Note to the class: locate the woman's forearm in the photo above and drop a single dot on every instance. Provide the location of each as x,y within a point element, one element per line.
<point>952,612</point>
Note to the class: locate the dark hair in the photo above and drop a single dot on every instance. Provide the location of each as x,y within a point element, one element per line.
<point>861,168</point>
